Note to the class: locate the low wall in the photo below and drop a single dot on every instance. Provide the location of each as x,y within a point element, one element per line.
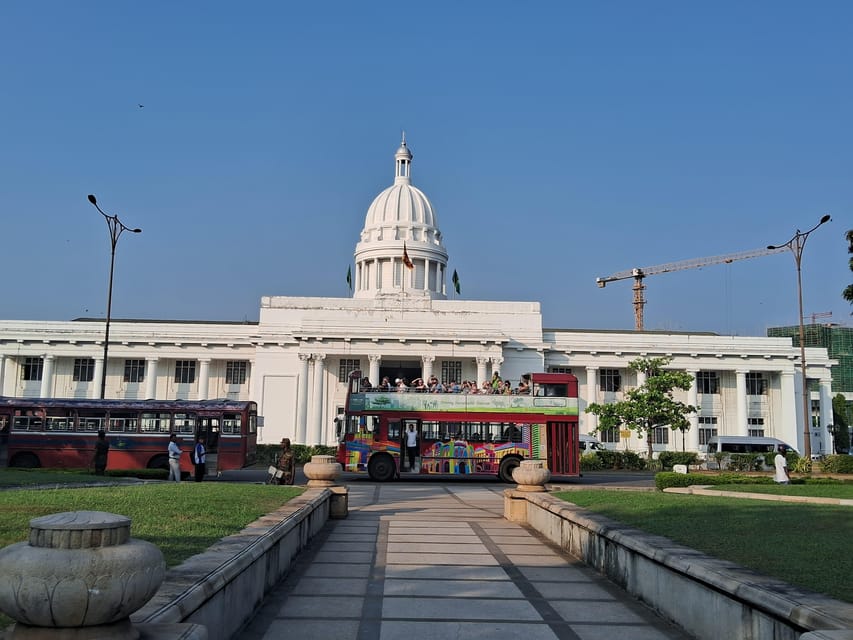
<point>222,587</point>
<point>707,597</point>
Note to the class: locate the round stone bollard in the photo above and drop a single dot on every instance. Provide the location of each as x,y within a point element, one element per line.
<point>531,476</point>
<point>79,576</point>
<point>322,471</point>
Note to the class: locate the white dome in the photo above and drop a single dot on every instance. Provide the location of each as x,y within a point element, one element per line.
<point>400,205</point>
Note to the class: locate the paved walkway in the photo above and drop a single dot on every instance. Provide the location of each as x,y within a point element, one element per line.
<point>418,561</point>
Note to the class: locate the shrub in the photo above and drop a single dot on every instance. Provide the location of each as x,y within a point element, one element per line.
<point>837,464</point>
<point>268,453</point>
<point>620,460</point>
<point>669,458</point>
<point>746,462</point>
<point>591,462</point>
<point>798,464</point>
<point>668,479</point>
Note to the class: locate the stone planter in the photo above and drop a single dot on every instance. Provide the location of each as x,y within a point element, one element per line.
<point>79,571</point>
<point>322,471</point>
<point>531,476</point>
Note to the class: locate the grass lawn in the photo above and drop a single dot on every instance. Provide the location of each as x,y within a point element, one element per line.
<point>842,491</point>
<point>24,477</point>
<point>802,544</point>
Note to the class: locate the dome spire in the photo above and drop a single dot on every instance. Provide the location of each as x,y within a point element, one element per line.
<point>403,160</point>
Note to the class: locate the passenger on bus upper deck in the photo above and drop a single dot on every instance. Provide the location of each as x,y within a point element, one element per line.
<point>365,384</point>
<point>419,385</point>
<point>506,389</point>
<point>385,385</point>
<point>523,387</point>
<point>401,384</point>
<point>454,387</point>
<point>486,388</point>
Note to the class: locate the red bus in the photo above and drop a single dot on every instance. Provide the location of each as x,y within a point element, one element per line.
<point>470,434</point>
<point>58,432</point>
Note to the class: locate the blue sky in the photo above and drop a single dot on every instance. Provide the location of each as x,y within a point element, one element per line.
<point>558,142</point>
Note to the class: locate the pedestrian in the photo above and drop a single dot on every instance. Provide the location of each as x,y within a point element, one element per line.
<point>198,457</point>
<point>781,463</point>
<point>287,462</point>
<point>102,448</point>
<point>174,459</point>
<point>412,446</point>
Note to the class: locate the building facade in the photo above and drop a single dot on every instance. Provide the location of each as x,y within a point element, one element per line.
<point>400,323</point>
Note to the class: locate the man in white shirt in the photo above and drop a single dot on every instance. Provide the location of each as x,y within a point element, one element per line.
<point>781,465</point>
<point>412,446</point>
<point>174,459</point>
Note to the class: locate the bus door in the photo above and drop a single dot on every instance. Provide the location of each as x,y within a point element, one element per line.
<point>404,451</point>
<point>563,452</point>
<point>5,427</point>
<point>208,429</point>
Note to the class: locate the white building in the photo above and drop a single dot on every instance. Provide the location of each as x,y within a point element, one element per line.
<point>399,323</point>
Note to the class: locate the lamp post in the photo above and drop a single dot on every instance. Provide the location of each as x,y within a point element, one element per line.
<point>116,227</point>
<point>796,246</point>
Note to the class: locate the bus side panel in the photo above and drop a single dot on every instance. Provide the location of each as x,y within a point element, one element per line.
<point>464,458</point>
<point>354,453</point>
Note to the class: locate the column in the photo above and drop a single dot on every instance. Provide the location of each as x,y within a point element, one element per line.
<point>3,375</point>
<point>590,420</point>
<point>741,427</point>
<point>641,378</point>
<point>482,376</point>
<point>691,438</point>
<point>317,419</point>
<point>203,378</point>
<point>426,274</point>
<point>497,361</point>
<point>374,359</point>
<point>426,367</point>
<point>151,378</point>
<point>95,391</point>
<point>825,418</point>
<point>302,400</point>
<point>787,429</point>
<point>47,377</point>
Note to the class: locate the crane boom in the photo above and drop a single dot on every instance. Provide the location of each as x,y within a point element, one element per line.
<point>639,273</point>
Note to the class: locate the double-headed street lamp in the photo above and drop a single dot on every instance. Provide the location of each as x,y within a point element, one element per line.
<point>796,245</point>
<point>116,227</point>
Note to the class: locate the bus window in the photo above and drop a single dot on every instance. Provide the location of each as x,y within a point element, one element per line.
<point>93,421</point>
<point>394,431</point>
<point>430,430</point>
<point>156,423</point>
<point>185,423</point>
<point>123,422</point>
<point>59,421</point>
<point>230,423</point>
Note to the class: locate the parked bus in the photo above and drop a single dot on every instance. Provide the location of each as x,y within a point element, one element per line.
<point>470,434</point>
<point>58,432</point>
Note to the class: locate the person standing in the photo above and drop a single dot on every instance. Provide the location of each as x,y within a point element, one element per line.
<point>781,463</point>
<point>412,446</point>
<point>102,448</point>
<point>287,462</point>
<point>198,456</point>
<point>174,459</point>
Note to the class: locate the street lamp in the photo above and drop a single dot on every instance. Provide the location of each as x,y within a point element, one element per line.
<point>796,245</point>
<point>116,227</point>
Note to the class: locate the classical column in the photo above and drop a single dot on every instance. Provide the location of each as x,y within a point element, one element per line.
<point>426,275</point>
<point>641,378</point>
<point>741,427</point>
<point>316,436</point>
<point>590,420</point>
<point>302,400</point>
<point>95,391</point>
<point>497,361</point>
<point>374,359</point>
<point>691,438</point>
<point>426,367</point>
<point>787,429</point>
<point>482,376</point>
<point>47,377</point>
<point>825,417</point>
<point>203,378</point>
<point>151,378</point>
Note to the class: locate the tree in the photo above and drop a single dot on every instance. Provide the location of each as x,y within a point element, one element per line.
<point>651,404</point>
<point>848,291</point>
<point>840,424</point>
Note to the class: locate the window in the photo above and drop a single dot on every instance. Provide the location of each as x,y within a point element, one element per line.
<point>559,369</point>
<point>609,435</point>
<point>84,369</point>
<point>231,423</point>
<point>755,427</point>
<point>123,422</point>
<point>156,422</point>
<point>756,385</point>
<point>134,370</point>
<point>610,380</point>
<point>32,368</point>
<point>660,435</point>
<point>185,371</point>
<point>451,371</point>
<point>185,422</point>
<point>707,382</point>
<point>815,404</point>
<point>346,367</point>
<point>235,371</point>
<point>707,428</point>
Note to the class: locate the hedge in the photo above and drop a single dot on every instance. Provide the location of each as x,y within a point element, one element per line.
<point>667,479</point>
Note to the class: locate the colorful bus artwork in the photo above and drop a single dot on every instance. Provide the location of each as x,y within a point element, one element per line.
<point>461,434</point>
<point>61,433</point>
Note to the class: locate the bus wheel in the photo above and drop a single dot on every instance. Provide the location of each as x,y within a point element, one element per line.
<point>159,462</point>
<point>381,468</point>
<point>507,465</point>
<point>25,461</point>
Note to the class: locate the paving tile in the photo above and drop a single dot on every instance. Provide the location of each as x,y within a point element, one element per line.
<point>312,586</point>
<point>433,537</point>
<point>346,547</point>
<point>458,609</point>
<point>336,556</point>
<point>594,611</point>
<point>420,558</point>
<point>393,630</point>
<point>585,590</point>
<point>630,632</point>
<point>435,547</point>
<point>452,588</point>
<point>338,570</point>
<point>545,558</point>
<point>445,572</point>
<point>321,607</point>
<point>566,573</point>
<point>313,629</point>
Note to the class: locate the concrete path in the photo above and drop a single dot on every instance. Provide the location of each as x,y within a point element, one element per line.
<point>423,561</point>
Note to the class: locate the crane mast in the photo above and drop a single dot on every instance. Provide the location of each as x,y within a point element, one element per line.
<point>639,274</point>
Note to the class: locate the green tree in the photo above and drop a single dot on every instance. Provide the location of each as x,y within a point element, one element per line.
<point>651,404</point>
<point>840,424</point>
<point>848,291</point>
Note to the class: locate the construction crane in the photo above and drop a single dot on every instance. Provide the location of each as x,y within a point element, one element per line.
<point>641,272</point>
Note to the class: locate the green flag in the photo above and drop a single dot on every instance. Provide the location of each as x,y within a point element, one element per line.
<point>349,278</point>
<point>456,284</point>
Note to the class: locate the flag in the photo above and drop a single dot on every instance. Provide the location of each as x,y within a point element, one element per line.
<point>456,282</point>
<point>349,277</point>
<point>406,260</point>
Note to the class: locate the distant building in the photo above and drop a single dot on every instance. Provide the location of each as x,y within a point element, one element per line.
<point>402,321</point>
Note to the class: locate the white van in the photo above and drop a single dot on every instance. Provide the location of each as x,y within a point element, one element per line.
<point>589,444</point>
<point>744,444</point>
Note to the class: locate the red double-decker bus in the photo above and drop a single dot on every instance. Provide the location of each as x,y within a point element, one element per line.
<point>61,433</point>
<point>462,434</point>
